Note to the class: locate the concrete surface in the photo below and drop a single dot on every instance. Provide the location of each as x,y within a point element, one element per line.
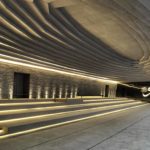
<point>128,130</point>
<point>94,38</point>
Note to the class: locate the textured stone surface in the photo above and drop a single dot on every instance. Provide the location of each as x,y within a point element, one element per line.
<point>48,84</point>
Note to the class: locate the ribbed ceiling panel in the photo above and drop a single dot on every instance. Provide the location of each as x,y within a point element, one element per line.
<point>70,36</point>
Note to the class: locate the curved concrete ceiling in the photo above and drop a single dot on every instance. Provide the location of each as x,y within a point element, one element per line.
<point>101,38</point>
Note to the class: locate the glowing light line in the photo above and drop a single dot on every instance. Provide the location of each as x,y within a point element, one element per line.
<point>56,70</point>
<point>68,122</point>
<point>27,110</point>
<point>23,120</point>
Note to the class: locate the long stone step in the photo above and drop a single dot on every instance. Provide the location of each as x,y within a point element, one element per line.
<point>41,110</point>
<point>69,117</point>
<point>36,118</point>
<point>9,106</point>
<point>20,126</point>
<point>52,100</point>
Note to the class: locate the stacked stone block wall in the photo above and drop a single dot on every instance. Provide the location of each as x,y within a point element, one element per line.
<point>44,84</point>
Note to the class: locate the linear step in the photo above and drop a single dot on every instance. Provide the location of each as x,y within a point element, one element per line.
<point>28,128</point>
<point>6,111</point>
<point>52,100</point>
<point>44,117</point>
<point>8,106</point>
<point>46,110</point>
<point>66,118</point>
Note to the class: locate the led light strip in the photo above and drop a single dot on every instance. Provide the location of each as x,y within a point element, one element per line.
<point>27,110</point>
<point>37,66</point>
<point>67,122</point>
<point>48,102</point>
<point>106,99</point>
<point>29,103</point>
<point>36,118</point>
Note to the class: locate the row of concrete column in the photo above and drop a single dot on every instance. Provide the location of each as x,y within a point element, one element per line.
<point>54,91</point>
<point>47,87</point>
<point>112,90</point>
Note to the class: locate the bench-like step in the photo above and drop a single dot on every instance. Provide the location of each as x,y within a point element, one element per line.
<point>15,113</point>
<point>21,121</point>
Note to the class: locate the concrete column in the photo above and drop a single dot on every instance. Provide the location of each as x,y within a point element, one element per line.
<point>31,89</point>
<point>60,90</point>
<point>66,91</point>
<point>11,85</point>
<point>71,91</point>
<point>115,89</point>
<point>53,91</point>
<point>75,90</point>
<point>46,94</point>
<point>110,92</point>
<point>38,92</point>
<point>103,90</point>
<point>113,92</point>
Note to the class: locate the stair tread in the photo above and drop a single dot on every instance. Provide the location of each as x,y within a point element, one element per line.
<point>63,119</point>
<point>29,119</point>
<point>38,111</point>
<point>27,105</point>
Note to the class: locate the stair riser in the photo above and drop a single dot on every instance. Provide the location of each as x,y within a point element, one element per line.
<point>57,108</point>
<point>52,100</point>
<point>46,126</point>
<point>28,105</point>
<point>26,120</point>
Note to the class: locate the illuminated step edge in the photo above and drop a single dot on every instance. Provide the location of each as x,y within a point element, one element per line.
<point>105,99</point>
<point>39,109</point>
<point>49,102</point>
<point>52,99</point>
<point>56,113</point>
<point>25,103</point>
<point>45,117</point>
<point>63,99</point>
<point>68,122</point>
<point>108,100</point>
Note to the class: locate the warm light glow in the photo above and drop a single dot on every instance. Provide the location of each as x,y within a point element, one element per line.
<point>3,130</point>
<point>23,120</point>
<point>66,91</point>
<point>68,122</point>
<point>10,91</point>
<point>131,86</point>
<point>22,104</point>
<point>60,91</point>
<point>46,92</point>
<point>145,91</point>
<point>30,91</point>
<point>53,91</point>
<point>38,109</point>
<point>75,91</point>
<point>37,66</point>
<point>71,92</point>
<point>39,92</point>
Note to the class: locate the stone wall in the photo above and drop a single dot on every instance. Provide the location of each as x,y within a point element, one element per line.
<point>45,84</point>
